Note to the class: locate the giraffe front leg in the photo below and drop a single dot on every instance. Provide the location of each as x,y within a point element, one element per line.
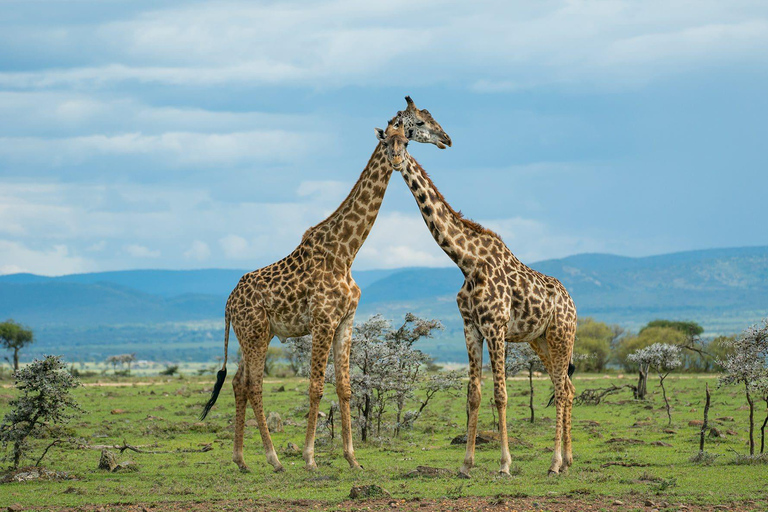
<point>342,343</point>
<point>542,349</point>
<point>322,337</point>
<point>475,352</point>
<point>497,352</point>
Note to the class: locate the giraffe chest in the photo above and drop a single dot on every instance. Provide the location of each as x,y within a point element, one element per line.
<point>522,306</point>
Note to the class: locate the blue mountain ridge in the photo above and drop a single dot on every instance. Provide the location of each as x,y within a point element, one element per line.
<point>88,315</point>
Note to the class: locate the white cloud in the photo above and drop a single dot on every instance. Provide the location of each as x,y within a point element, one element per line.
<point>198,251</point>
<point>173,148</point>
<point>97,247</point>
<point>234,247</point>
<point>323,189</point>
<point>140,251</point>
<point>51,260</point>
<point>531,240</point>
<point>67,112</point>
<point>498,44</point>
<point>400,240</point>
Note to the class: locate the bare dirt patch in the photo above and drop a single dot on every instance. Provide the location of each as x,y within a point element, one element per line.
<point>500,503</point>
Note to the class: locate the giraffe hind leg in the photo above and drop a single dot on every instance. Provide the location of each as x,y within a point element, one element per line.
<point>241,402</point>
<point>555,351</point>
<point>254,344</point>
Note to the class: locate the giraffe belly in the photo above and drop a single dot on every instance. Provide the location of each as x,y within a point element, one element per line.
<point>290,323</point>
<point>519,330</point>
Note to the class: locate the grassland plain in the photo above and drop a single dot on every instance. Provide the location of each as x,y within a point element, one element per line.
<point>624,450</point>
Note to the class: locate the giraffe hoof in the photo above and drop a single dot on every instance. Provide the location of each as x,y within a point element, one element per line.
<point>552,473</point>
<point>464,475</point>
<point>504,473</point>
<point>279,469</point>
<point>245,469</point>
<point>311,467</point>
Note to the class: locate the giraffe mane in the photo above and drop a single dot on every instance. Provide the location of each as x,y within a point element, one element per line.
<point>474,226</point>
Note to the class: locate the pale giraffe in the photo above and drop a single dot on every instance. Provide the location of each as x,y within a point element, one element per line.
<point>502,300</point>
<point>311,291</point>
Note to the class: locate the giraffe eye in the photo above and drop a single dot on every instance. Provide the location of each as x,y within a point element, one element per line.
<point>420,123</point>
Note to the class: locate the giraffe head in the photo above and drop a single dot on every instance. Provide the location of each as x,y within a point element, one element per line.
<point>419,125</point>
<point>395,144</point>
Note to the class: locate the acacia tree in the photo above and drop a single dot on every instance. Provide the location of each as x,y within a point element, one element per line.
<point>385,370</point>
<point>661,357</point>
<point>746,365</point>
<point>14,336</point>
<point>122,360</point>
<point>409,363</point>
<point>439,382</point>
<point>45,400</point>
<point>593,344</point>
<point>298,352</point>
<point>521,357</point>
<point>645,338</point>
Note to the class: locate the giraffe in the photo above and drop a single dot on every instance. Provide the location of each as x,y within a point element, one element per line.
<point>311,291</point>
<point>501,301</point>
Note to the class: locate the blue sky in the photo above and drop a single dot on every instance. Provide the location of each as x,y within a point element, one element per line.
<point>190,135</point>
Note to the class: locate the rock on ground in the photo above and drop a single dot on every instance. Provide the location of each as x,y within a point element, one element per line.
<point>429,472</point>
<point>274,422</point>
<point>108,460</point>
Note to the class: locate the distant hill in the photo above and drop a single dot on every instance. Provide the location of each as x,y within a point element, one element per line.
<point>179,314</point>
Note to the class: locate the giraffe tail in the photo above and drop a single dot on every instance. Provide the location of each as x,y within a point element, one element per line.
<point>221,375</point>
<point>571,371</point>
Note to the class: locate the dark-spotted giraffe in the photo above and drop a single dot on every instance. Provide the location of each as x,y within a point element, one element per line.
<point>311,291</point>
<point>502,300</point>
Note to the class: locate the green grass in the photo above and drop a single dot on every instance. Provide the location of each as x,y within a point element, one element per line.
<point>164,415</point>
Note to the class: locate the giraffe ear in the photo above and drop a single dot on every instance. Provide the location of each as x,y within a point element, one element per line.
<point>379,134</point>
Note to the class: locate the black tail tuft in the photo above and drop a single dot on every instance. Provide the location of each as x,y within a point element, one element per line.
<point>571,370</point>
<point>220,377</point>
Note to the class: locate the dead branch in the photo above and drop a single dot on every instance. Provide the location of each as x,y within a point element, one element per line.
<point>138,448</point>
<point>595,395</point>
<point>625,464</point>
<point>704,425</point>
<point>55,441</point>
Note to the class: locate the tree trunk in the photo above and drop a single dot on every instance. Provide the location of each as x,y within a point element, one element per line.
<point>16,359</point>
<point>751,421</point>
<point>366,418</point>
<point>704,425</point>
<point>642,380</point>
<point>16,454</point>
<point>400,407</point>
<point>664,394</point>
<point>530,381</point>
<point>762,430</point>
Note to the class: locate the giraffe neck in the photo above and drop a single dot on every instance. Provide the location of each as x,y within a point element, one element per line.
<point>461,239</point>
<point>342,234</point>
